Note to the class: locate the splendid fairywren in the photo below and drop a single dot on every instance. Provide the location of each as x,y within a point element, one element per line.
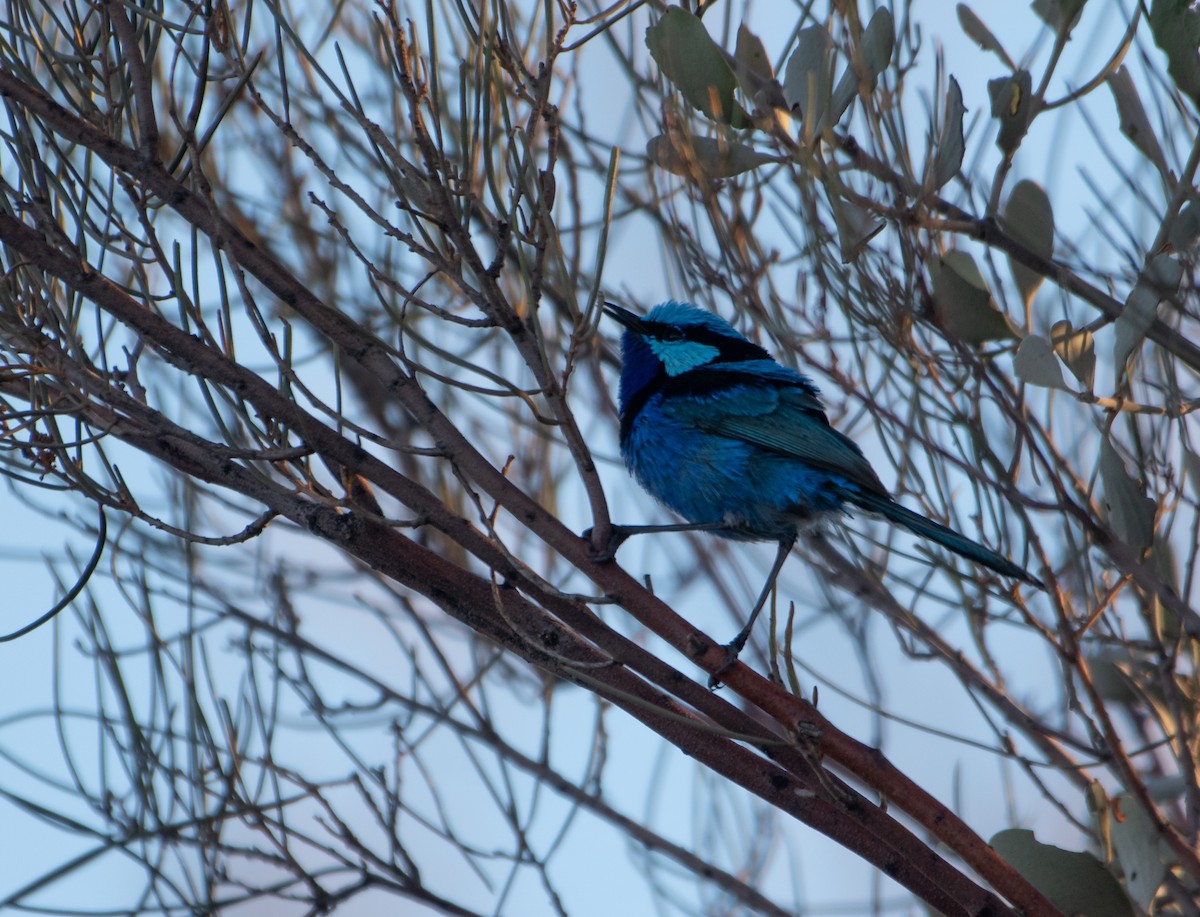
<point>739,444</point>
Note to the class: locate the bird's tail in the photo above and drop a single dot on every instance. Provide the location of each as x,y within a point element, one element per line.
<point>934,531</point>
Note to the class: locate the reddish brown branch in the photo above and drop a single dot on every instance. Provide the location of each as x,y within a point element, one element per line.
<point>851,820</point>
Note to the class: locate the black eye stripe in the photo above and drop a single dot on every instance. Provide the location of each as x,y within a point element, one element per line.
<point>733,350</point>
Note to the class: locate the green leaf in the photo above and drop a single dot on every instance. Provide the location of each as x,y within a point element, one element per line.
<point>1143,857</point>
<point>1132,118</point>
<point>962,302</point>
<point>1012,104</point>
<point>872,55</point>
<point>807,76</point>
<point>1159,280</point>
<point>856,226</point>
<point>1175,26</point>
<point>751,57</point>
<point>691,60</point>
<point>1109,668</point>
<point>1035,363</point>
<point>1130,511</point>
<point>1132,324</point>
<point>875,49</point>
<point>1186,228</point>
<point>979,33</point>
<point>1163,274</point>
<point>1077,349</point>
<point>1075,883</point>
<point>1029,218</point>
<point>702,158</point>
<point>1166,789</point>
<point>1191,465</point>
<point>948,159</point>
<point>1059,14</point>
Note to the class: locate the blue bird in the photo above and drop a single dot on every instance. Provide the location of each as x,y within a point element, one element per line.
<point>737,444</point>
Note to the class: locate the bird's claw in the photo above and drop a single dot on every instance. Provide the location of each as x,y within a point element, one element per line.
<point>617,536</point>
<point>731,656</point>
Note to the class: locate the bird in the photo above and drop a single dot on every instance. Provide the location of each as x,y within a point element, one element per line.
<point>738,444</point>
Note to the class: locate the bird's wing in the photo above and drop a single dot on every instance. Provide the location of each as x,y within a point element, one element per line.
<point>789,421</point>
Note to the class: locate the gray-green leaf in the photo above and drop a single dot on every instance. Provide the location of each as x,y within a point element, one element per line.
<point>1159,280</point>
<point>1029,218</point>
<point>1035,363</point>
<point>979,33</point>
<point>1175,26</point>
<point>704,158</point>
<point>751,57</point>
<point>1075,883</point>
<point>856,226</point>
<point>1077,349</point>
<point>1130,511</point>
<point>1142,855</point>
<point>962,302</point>
<point>948,159</point>
<point>806,77</point>
<point>872,55</point>
<point>1186,228</point>
<point>1191,465</point>
<point>1131,115</point>
<point>878,40</point>
<point>1059,14</point>
<point>691,60</point>
<point>1012,104</point>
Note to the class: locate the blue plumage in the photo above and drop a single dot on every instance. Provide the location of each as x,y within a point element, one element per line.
<point>733,441</point>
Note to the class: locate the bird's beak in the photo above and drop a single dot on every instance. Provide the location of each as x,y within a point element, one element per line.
<point>624,316</point>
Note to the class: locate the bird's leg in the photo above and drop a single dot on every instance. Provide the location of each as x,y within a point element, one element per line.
<point>734,646</point>
<point>621,532</point>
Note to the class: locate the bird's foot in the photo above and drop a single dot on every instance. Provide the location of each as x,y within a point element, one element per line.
<point>617,537</point>
<point>732,650</point>
<point>731,656</point>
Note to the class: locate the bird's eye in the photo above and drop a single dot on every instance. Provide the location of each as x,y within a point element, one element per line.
<point>670,334</point>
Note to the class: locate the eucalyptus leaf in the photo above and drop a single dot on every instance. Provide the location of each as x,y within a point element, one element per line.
<point>1012,105</point>
<point>1186,228</point>
<point>843,95</point>
<point>1035,363</point>
<point>1077,349</point>
<point>1191,465</point>
<point>703,158</point>
<point>1142,855</point>
<point>962,302</point>
<point>1175,25</point>
<point>1164,273</point>
<point>856,226</point>
<point>695,65</point>
<point>1132,324</point>
<point>1131,115</point>
<point>1075,883</point>
<point>979,33</point>
<point>1159,280</point>
<point>806,78</point>
<point>1109,670</point>
<point>1166,789</point>
<point>751,55</point>
<point>1029,218</point>
<point>1130,511</point>
<point>875,49</point>
<point>872,55</point>
<point>949,156</point>
<point>1059,14</point>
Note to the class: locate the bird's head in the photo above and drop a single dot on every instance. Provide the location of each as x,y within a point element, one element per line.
<point>674,338</point>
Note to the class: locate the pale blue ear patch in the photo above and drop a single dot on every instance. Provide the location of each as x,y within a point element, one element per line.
<point>677,357</point>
